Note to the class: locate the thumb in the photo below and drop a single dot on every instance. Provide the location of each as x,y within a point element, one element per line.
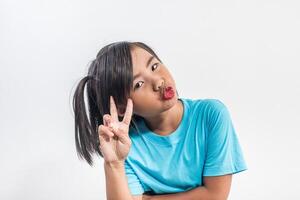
<point>120,132</point>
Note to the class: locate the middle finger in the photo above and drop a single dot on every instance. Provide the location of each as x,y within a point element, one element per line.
<point>113,109</point>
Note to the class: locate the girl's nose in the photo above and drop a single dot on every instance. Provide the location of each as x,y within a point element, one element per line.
<point>159,84</point>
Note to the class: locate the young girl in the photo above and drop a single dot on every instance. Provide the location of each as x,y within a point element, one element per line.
<point>155,144</point>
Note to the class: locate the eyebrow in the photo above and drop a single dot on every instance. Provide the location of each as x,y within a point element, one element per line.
<point>147,64</point>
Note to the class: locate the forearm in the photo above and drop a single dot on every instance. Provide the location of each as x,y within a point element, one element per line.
<point>199,193</point>
<point>116,182</point>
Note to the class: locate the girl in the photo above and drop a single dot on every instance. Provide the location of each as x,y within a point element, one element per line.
<point>155,145</point>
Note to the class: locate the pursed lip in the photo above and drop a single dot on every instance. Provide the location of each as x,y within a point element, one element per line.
<point>162,91</point>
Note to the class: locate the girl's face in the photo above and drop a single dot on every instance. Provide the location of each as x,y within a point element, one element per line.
<point>150,79</point>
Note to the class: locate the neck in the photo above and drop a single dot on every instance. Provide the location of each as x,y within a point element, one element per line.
<point>166,122</point>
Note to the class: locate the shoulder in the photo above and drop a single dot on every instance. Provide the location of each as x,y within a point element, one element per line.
<point>214,105</point>
<point>208,105</point>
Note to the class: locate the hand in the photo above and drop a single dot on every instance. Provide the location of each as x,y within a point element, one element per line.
<point>113,134</point>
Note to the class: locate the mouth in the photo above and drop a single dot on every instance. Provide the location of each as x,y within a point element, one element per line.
<point>168,93</point>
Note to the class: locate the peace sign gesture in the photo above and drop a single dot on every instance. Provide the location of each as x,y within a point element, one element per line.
<point>113,134</point>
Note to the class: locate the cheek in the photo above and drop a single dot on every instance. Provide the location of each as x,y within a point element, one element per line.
<point>141,105</point>
<point>166,72</point>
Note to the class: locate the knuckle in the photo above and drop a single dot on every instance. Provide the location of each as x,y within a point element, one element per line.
<point>106,116</point>
<point>105,131</point>
<point>101,129</point>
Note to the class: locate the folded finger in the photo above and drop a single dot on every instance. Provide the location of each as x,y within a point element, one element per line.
<point>103,130</point>
<point>106,119</point>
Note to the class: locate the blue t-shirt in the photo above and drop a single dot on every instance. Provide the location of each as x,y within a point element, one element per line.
<point>204,144</point>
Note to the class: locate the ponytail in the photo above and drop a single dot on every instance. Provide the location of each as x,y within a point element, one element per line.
<point>86,134</point>
<point>110,74</point>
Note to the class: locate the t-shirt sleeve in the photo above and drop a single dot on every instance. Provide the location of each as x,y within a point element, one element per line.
<point>223,151</point>
<point>134,183</point>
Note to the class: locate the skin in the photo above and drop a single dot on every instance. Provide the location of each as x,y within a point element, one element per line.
<point>161,116</point>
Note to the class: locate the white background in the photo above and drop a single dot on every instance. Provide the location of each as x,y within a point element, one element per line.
<point>245,53</point>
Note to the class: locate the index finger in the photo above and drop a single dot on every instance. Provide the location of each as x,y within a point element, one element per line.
<point>128,112</point>
<point>113,109</point>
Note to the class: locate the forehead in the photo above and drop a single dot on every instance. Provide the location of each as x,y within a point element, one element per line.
<point>139,56</point>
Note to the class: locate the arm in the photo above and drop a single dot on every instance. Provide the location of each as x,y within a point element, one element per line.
<point>116,183</point>
<point>114,146</point>
<point>215,188</point>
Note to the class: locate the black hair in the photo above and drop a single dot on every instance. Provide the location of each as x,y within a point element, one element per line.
<point>109,74</point>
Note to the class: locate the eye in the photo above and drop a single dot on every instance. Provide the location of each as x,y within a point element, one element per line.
<point>153,67</point>
<point>155,64</point>
<point>137,85</point>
